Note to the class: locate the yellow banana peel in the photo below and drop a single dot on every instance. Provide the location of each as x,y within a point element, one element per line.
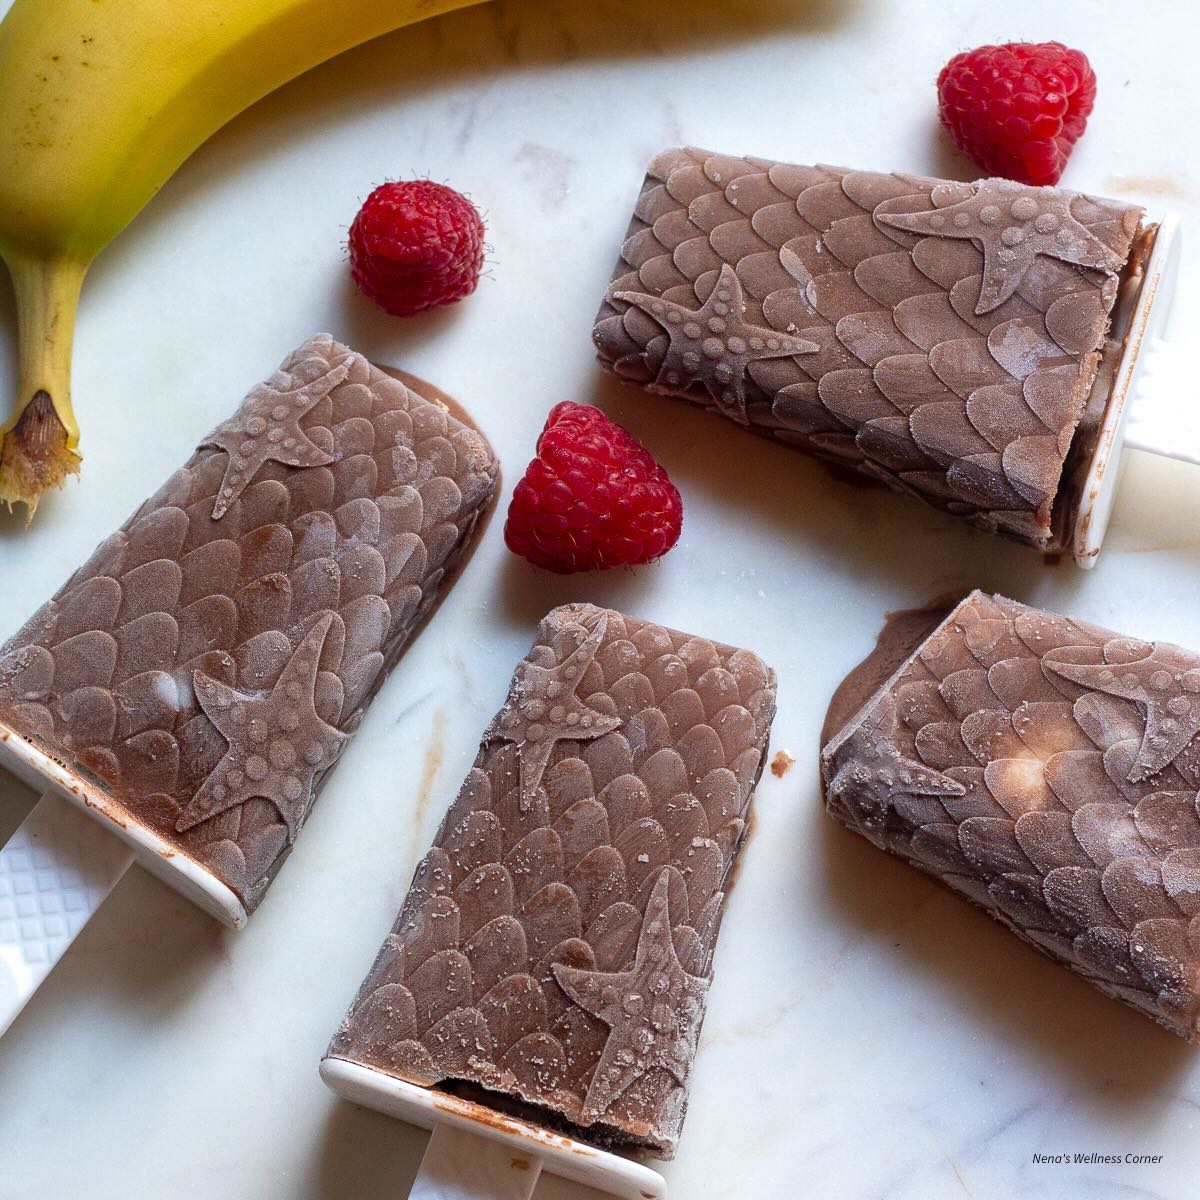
<point>100,102</point>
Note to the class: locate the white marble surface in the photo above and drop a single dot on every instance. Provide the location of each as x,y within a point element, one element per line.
<point>869,1036</point>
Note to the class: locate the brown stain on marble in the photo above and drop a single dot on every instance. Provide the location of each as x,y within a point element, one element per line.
<point>1146,185</point>
<point>435,755</point>
<point>782,763</point>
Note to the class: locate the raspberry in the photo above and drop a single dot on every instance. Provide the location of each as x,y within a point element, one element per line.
<point>592,498</point>
<point>1017,109</point>
<point>416,245</point>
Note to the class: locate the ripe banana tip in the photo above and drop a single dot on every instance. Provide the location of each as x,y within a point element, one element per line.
<point>34,455</point>
<point>38,439</point>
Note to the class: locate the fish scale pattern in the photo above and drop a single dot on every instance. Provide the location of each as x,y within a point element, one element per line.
<point>981,763</point>
<point>103,673</point>
<point>906,382</point>
<point>465,987</point>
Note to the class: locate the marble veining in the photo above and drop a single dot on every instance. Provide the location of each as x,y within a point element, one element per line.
<point>877,1042</point>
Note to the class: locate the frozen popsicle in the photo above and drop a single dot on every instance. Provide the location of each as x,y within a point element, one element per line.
<point>553,955</point>
<point>1047,770</point>
<point>192,685</point>
<point>970,344</point>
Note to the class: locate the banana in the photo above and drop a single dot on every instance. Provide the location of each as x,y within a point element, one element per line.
<point>100,101</point>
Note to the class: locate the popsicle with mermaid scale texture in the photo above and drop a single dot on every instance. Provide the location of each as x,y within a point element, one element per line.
<point>940,337</point>
<point>1047,770</point>
<point>195,681</point>
<point>555,946</point>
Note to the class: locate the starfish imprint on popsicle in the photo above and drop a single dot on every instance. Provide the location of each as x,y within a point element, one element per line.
<point>267,429</point>
<point>714,344</point>
<point>882,771</point>
<point>653,1009</point>
<point>1012,224</point>
<point>543,707</point>
<point>1166,687</point>
<point>277,742</point>
<point>868,783</point>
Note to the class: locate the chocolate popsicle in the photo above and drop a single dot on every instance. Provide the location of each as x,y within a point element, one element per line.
<point>200,675</point>
<point>555,946</point>
<point>948,339</point>
<point>1045,769</point>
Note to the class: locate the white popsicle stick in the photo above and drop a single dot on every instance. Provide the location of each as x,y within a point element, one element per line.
<point>55,871</point>
<point>65,858</point>
<point>1165,413</point>
<point>477,1152</point>
<point>463,1166</point>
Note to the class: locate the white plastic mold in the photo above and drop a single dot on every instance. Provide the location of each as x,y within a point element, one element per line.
<point>1150,407</point>
<point>64,859</point>
<point>477,1153</point>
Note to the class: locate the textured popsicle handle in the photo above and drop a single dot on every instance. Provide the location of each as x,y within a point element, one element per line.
<point>464,1166</point>
<point>1165,414</point>
<point>55,871</point>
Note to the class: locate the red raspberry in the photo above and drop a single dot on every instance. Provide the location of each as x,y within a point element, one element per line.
<point>416,245</point>
<point>592,498</point>
<point>1017,109</point>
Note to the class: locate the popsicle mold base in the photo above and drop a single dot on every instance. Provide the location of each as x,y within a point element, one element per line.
<point>166,861</point>
<point>1143,410</point>
<point>428,1108</point>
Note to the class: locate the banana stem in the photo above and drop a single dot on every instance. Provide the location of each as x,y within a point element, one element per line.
<point>39,439</point>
